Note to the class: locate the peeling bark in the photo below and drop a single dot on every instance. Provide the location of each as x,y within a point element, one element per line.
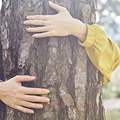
<point>60,63</point>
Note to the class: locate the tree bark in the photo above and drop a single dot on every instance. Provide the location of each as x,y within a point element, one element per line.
<point>60,63</point>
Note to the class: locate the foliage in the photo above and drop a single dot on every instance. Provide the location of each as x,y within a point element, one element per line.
<point>113,114</point>
<point>109,18</point>
<point>113,88</point>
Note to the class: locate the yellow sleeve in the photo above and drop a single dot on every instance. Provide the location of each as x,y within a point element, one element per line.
<point>102,51</point>
<point>1,81</point>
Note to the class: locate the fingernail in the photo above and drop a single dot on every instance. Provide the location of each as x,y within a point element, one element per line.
<point>34,36</point>
<point>28,17</point>
<point>32,111</point>
<point>48,99</point>
<point>41,106</point>
<point>50,1</point>
<point>33,77</point>
<point>27,29</point>
<point>47,91</point>
<point>25,22</point>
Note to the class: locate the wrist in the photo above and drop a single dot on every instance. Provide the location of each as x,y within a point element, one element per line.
<point>80,30</point>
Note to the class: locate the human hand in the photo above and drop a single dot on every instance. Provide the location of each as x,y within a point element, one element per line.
<point>13,94</point>
<point>61,24</point>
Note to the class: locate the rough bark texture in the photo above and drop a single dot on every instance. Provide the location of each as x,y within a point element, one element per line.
<point>60,63</point>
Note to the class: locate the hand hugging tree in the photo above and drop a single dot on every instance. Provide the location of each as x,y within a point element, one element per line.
<point>50,51</point>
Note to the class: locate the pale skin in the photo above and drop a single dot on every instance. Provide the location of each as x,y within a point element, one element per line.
<point>12,93</point>
<point>61,24</point>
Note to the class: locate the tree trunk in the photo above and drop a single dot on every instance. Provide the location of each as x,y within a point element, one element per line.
<point>60,63</point>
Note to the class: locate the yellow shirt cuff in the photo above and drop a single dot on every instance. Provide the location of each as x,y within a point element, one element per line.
<point>1,81</point>
<point>94,45</point>
<point>90,37</point>
<point>107,77</point>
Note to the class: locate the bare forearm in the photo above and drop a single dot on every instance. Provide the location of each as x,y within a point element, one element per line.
<point>80,30</point>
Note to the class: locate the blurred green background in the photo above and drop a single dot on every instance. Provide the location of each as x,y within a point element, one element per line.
<point>108,17</point>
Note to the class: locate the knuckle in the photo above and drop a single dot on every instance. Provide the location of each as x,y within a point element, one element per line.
<point>18,96</point>
<point>38,17</point>
<point>15,102</point>
<point>20,90</point>
<point>17,76</point>
<point>15,107</point>
<point>63,8</point>
<point>31,105</point>
<point>35,105</point>
<point>27,104</point>
<point>34,91</point>
<point>37,99</point>
<point>24,110</point>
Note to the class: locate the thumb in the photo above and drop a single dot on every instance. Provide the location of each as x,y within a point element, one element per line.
<point>55,6</point>
<point>24,78</point>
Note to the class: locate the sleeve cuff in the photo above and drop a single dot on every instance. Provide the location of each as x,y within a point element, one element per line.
<point>90,37</point>
<point>1,81</point>
<point>107,77</point>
